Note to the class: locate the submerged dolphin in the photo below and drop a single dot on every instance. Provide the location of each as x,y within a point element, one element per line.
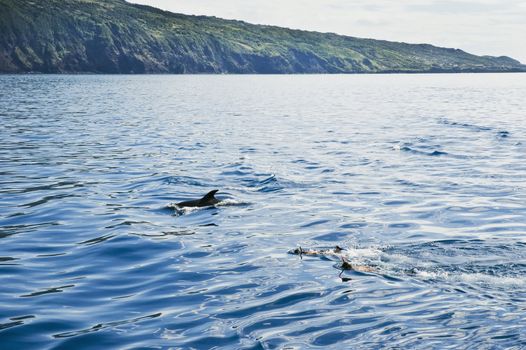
<point>206,201</point>
<point>337,252</point>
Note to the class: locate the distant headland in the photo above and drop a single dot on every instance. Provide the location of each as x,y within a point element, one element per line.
<point>117,37</point>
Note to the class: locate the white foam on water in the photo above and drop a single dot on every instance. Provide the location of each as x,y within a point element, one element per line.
<point>474,278</point>
<point>362,253</point>
<point>189,210</point>
<point>481,278</point>
<point>230,202</point>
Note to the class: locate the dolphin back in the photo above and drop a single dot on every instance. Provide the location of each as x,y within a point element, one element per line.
<point>206,201</point>
<point>209,198</point>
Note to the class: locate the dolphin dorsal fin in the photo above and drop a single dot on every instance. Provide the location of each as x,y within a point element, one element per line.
<point>208,197</point>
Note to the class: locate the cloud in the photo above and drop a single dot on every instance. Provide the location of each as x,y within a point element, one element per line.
<point>456,7</point>
<point>485,27</point>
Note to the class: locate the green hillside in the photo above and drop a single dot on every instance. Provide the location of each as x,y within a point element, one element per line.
<point>113,36</point>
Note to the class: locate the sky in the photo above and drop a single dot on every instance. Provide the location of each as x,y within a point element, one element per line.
<point>482,27</point>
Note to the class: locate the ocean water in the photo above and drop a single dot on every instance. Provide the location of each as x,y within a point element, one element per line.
<point>420,178</point>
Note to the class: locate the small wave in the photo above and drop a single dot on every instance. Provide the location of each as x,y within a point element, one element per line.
<point>477,278</point>
<point>434,153</point>
<point>16,321</point>
<point>472,127</point>
<point>267,189</point>
<point>47,199</point>
<point>184,180</point>
<point>270,184</point>
<point>269,180</point>
<point>180,233</point>
<point>97,240</point>
<point>9,230</point>
<point>426,150</point>
<point>235,173</point>
<point>48,291</point>
<point>102,326</point>
<point>232,203</point>
<point>503,134</point>
<point>186,210</point>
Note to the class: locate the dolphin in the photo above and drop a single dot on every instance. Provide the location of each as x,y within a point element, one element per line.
<point>206,201</point>
<point>318,252</point>
<point>337,252</point>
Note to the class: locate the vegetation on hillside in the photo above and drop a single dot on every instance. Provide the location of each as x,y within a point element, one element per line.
<point>113,36</point>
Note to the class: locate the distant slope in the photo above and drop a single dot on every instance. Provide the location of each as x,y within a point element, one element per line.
<point>113,36</point>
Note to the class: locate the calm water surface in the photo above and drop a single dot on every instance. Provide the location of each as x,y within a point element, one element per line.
<point>422,178</point>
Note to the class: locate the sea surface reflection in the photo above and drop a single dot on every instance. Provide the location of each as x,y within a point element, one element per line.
<point>420,178</point>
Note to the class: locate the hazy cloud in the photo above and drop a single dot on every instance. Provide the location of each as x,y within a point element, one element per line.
<point>486,27</point>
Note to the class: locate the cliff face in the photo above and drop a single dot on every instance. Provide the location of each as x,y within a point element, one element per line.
<point>113,36</point>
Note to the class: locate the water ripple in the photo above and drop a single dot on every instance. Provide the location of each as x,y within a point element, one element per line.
<point>418,179</point>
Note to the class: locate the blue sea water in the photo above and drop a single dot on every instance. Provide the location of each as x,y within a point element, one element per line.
<point>421,178</point>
